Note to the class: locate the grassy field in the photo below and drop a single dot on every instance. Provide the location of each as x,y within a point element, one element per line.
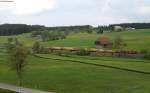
<point>128,63</point>
<point>24,38</point>
<point>132,38</point>
<point>73,77</point>
<point>68,75</point>
<point>6,91</point>
<point>136,39</point>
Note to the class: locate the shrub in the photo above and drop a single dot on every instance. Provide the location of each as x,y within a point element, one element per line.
<point>36,47</point>
<point>44,50</point>
<point>53,35</point>
<point>119,42</point>
<point>83,52</point>
<point>146,54</point>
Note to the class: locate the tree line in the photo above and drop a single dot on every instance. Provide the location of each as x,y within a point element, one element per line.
<point>133,25</point>
<point>49,35</point>
<point>15,29</point>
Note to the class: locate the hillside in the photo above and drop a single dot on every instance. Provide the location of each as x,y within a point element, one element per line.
<point>136,39</point>
<point>68,73</point>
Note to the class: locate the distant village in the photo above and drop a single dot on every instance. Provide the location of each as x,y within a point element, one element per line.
<point>120,28</point>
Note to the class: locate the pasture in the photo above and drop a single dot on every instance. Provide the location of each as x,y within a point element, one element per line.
<point>135,40</point>
<point>83,74</point>
<point>62,76</point>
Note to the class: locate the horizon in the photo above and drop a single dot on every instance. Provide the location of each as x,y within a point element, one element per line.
<point>77,25</point>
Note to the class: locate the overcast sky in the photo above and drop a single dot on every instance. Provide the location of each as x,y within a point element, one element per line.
<point>74,12</point>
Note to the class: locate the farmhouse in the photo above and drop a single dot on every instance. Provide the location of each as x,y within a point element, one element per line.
<point>118,28</point>
<point>103,42</point>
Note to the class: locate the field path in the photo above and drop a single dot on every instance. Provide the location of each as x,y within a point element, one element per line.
<point>23,90</point>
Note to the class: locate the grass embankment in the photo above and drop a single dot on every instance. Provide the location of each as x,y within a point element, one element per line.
<point>6,91</point>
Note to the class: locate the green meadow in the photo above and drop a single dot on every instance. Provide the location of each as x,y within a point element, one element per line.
<point>83,74</point>
<point>135,39</point>
<point>24,38</point>
<point>68,76</point>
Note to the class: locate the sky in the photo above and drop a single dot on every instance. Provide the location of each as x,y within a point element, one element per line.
<point>74,12</point>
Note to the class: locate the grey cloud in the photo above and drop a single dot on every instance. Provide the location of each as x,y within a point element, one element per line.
<point>93,12</point>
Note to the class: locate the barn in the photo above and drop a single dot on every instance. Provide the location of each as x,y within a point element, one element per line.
<point>103,42</point>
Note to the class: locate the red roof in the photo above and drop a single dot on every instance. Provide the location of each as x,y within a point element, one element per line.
<point>104,40</point>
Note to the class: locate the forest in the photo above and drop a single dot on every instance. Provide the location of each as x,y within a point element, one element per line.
<point>15,29</point>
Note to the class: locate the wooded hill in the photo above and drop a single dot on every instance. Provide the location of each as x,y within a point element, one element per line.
<point>15,29</point>
<point>133,25</point>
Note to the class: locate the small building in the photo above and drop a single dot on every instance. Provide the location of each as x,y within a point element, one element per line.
<point>118,28</point>
<point>129,29</point>
<point>103,42</point>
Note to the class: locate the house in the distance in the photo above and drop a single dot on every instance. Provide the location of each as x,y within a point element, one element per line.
<point>118,28</point>
<point>129,29</point>
<point>103,42</point>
